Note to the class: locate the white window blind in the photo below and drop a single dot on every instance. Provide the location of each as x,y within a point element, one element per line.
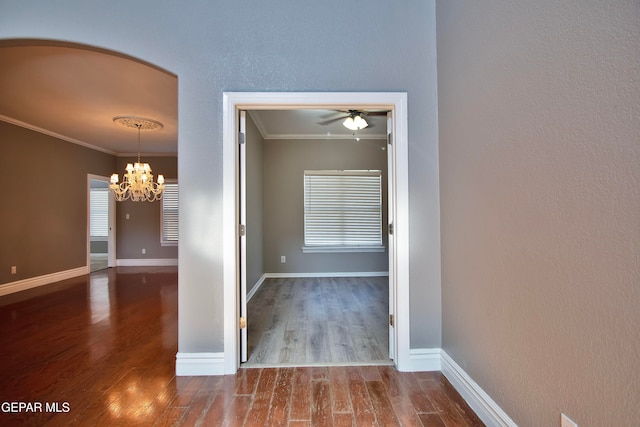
<point>99,212</point>
<point>170,214</point>
<point>342,209</point>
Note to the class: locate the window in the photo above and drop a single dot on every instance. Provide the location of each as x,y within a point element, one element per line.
<point>169,215</point>
<point>343,211</point>
<point>99,212</point>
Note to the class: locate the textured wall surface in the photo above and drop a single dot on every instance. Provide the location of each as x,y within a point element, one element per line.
<point>539,123</point>
<point>280,45</point>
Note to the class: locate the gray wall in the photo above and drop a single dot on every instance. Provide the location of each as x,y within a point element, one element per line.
<point>43,215</point>
<point>284,164</point>
<point>280,45</point>
<point>539,124</point>
<point>142,229</point>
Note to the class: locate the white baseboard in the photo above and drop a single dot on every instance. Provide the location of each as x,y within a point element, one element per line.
<point>147,262</point>
<point>329,274</point>
<point>423,360</point>
<point>33,282</point>
<point>481,403</point>
<point>255,288</point>
<point>199,364</point>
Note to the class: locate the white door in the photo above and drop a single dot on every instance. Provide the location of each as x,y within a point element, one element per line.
<point>391,232</point>
<point>242,235</point>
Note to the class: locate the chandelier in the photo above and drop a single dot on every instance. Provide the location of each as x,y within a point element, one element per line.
<point>137,184</point>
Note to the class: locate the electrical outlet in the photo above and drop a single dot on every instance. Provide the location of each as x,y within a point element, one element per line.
<point>566,421</point>
<point>14,269</point>
<point>144,251</point>
<point>283,259</point>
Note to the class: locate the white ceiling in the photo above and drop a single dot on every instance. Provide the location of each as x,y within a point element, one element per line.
<point>74,94</point>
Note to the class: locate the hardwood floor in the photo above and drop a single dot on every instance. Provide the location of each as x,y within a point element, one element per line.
<point>100,350</point>
<point>306,321</point>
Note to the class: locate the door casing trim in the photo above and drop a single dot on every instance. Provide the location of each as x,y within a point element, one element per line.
<point>393,101</point>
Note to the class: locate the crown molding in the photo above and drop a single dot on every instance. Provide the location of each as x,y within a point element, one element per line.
<point>43,131</point>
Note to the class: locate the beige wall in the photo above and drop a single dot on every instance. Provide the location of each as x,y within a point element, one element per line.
<point>539,123</point>
<point>43,212</point>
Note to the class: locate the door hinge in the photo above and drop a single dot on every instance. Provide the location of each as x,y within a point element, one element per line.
<point>241,138</point>
<point>243,322</point>
<point>389,138</point>
<point>391,228</point>
<point>391,320</point>
<point>242,229</point>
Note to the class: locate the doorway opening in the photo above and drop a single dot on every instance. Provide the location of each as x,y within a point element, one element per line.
<point>314,199</point>
<point>235,280</point>
<point>101,252</point>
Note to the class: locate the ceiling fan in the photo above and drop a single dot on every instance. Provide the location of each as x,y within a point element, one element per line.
<point>353,119</point>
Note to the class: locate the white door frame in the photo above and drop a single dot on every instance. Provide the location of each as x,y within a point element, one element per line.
<point>396,102</point>
<point>111,239</point>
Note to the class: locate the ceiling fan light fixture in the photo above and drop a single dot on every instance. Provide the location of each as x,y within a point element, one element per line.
<point>355,122</point>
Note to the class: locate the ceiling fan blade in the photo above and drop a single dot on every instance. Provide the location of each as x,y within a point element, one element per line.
<point>335,119</point>
<point>375,113</point>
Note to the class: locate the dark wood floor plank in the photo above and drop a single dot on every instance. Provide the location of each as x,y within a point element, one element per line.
<point>235,413</point>
<point>381,404</point>
<point>259,412</point>
<point>463,408</point>
<point>187,388</point>
<point>170,418</point>
<point>446,408</point>
<point>281,401</point>
<point>339,386</point>
<point>225,401</point>
<point>321,415</point>
<point>370,373</point>
<point>418,398</point>
<point>197,409</point>
<point>301,405</point>
<point>247,381</point>
<point>363,410</point>
<point>431,420</point>
<point>399,396</point>
<point>343,420</point>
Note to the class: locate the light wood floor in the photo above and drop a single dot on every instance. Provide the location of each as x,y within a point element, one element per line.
<point>307,321</point>
<point>102,347</point>
<point>98,262</point>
